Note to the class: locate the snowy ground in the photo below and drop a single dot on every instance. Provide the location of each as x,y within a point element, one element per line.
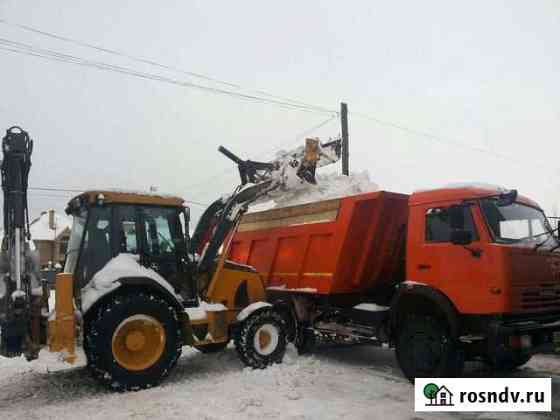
<point>359,382</point>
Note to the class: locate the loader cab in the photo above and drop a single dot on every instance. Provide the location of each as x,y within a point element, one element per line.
<point>150,227</point>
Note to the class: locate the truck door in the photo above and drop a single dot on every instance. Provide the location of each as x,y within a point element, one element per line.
<point>456,270</point>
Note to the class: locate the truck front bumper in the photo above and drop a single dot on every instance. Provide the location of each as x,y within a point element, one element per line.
<point>523,337</point>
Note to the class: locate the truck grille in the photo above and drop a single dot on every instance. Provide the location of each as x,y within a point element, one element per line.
<point>542,297</point>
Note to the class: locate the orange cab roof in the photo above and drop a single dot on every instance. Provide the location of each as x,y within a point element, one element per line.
<point>133,197</point>
<point>455,193</point>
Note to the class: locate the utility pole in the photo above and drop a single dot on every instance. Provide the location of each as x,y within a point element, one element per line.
<point>344,126</point>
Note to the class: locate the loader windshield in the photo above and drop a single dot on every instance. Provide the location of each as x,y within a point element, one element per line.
<point>75,241</point>
<point>518,223</point>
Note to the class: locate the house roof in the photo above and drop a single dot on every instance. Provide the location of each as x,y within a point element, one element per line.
<point>444,388</point>
<point>40,230</point>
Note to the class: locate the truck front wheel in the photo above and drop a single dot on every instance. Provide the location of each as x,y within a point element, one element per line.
<point>132,341</point>
<point>425,348</point>
<point>509,362</point>
<point>261,339</point>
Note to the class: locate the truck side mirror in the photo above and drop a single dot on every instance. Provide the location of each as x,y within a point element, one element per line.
<point>507,198</point>
<point>461,237</point>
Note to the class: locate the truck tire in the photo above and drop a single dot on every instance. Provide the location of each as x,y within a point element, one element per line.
<point>261,339</point>
<point>132,341</point>
<point>424,348</point>
<point>508,362</point>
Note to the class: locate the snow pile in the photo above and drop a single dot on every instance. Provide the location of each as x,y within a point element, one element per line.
<point>283,287</point>
<point>106,279</point>
<point>371,307</point>
<point>41,231</point>
<point>329,186</point>
<point>353,382</point>
<point>152,193</point>
<point>199,312</point>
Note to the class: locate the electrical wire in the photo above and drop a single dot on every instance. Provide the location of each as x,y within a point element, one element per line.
<point>280,101</point>
<point>436,138</point>
<point>30,50</point>
<point>151,62</point>
<point>398,126</point>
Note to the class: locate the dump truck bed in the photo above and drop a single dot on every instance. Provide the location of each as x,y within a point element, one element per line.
<point>347,245</point>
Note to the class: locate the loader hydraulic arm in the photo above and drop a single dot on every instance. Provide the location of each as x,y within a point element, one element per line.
<point>17,148</point>
<point>18,275</point>
<point>258,179</point>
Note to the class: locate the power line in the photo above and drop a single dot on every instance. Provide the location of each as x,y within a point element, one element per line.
<point>280,101</point>
<point>56,56</point>
<point>73,190</point>
<point>51,55</point>
<point>437,138</point>
<point>129,56</point>
<point>302,134</point>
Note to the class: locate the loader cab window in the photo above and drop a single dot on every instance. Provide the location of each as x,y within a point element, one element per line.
<point>438,226</point>
<point>75,240</point>
<point>159,226</point>
<point>127,230</point>
<point>163,242</point>
<point>97,249</point>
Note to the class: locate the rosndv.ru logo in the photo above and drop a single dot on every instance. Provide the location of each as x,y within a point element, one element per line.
<point>483,394</point>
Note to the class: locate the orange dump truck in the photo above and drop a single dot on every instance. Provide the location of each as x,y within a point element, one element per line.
<point>444,276</point>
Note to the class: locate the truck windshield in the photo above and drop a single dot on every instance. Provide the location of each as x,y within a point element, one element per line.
<point>517,223</point>
<point>75,240</point>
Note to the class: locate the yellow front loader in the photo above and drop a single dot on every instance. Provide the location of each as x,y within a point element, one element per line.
<point>137,287</point>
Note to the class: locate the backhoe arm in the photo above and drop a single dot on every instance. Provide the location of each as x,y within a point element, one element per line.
<point>18,268</point>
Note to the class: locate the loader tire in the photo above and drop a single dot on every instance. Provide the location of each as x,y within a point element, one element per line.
<point>261,339</point>
<point>425,349</point>
<point>132,341</point>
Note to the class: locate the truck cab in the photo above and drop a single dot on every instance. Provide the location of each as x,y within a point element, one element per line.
<point>490,261</point>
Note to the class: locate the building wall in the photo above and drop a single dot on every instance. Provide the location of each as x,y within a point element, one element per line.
<point>46,251</point>
<point>52,250</point>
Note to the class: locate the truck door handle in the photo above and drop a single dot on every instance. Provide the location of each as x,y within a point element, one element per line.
<point>424,266</point>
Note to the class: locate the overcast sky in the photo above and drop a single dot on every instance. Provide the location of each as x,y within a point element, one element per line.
<point>481,73</point>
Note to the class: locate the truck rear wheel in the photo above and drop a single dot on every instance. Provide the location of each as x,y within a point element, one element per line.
<point>261,339</point>
<point>132,341</point>
<point>425,348</point>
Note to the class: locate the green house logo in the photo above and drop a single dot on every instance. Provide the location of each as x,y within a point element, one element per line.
<point>438,396</point>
